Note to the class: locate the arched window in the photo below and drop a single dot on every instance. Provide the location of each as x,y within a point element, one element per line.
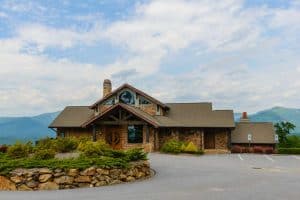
<point>127,97</point>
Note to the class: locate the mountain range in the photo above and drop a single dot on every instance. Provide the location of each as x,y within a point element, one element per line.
<point>14,129</point>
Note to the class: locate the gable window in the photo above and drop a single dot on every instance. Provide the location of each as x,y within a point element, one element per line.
<point>157,109</point>
<point>135,134</point>
<point>144,101</point>
<point>127,97</point>
<point>110,101</point>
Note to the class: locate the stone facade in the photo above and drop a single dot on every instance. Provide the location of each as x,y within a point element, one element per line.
<point>46,179</point>
<point>221,140</point>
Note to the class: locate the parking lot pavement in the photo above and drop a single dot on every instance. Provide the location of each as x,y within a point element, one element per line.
<point>226,176</point>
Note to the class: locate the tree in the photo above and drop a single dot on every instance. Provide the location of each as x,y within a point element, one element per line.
<point>283,129</point>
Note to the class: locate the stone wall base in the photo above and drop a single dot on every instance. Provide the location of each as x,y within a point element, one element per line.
<point>46,179</point>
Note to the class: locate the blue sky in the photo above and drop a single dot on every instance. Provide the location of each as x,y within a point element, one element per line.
<point>241,55</point>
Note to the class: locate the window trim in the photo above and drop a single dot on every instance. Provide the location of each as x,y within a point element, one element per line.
<point>142,132</point>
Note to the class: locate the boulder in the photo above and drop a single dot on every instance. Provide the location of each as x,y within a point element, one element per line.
<point>24,187</point>
<point>48,186</point>
<point>100,183</point>
<point>64,180</point>
<point>16,179</point>
<point>83,179</point>
<point>115,182</point>
<point>6,184</point>
<point>73,172</point>
<point>130,178</point>
<point>89,172</point>
<point>44,177</point>
<point>45,171</point>
<point>32,184</point>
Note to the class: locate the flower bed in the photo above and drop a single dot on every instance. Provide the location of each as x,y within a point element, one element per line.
<point>28,167</point>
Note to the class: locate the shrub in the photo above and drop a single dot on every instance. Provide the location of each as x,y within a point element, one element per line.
<point>44,154</point>
<point>19,150</point>
<point>136,154</point>
<point>67,144</point>
<point>288,150</point>
<point>236,149</point>
<point>92,149</point>
<point>3,148</point>
<point>172,146</point>
<point>115,153</point>
<point>190,148</point>
<point>45,143</point>
<point>258,149</point>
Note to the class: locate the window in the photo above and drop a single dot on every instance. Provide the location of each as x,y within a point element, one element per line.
<point>127,97</point>
<point>144,101</point>
<point>157,109</point>
<point>110,101</point>
<point>62,134</point>
<point>135,134</point>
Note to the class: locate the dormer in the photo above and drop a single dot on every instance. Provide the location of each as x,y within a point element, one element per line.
<point>127,94</point>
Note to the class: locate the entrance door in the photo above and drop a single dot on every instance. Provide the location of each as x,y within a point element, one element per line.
<point>113,138</point>
<point>209,140</point>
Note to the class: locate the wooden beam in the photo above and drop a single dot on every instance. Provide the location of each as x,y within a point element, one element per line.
<point>122,122</point>
<point>127,117</point>
<point>113,117</point>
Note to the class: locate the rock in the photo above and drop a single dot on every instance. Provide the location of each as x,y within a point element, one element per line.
<point>64,180</point>
<point>130,178</point>
<point>89,172</point>
<point>16,179</point>
<point>100,177</point>
<point>83,179</point>
<point>115,182</point>
<point>82,185</point>
<point>44,177</point>
<point>123,177</point>
<point>6,184</point>
<point>99,171</point>
<point>58,170</point>
<point>59,174</point>
<point>105,172</point>
<point>48,186</point>
<point>32,184</point>
<point>24,187</point>
<point>100,183</point>
<point>73,172</point>
<point>114,173</point>
<point>45,171</point>
<point>140,174</point>
<point>130,173</point>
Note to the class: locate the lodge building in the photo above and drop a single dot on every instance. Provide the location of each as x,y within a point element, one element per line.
<point>128,117</point>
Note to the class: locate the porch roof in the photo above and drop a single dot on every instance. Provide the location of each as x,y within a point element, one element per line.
<point>135,111</point>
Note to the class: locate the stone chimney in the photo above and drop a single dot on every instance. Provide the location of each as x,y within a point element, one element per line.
<point>244,117</point>
<point>106,87</point>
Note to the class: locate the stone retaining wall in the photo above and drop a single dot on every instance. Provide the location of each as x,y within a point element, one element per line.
<point>46,179</point>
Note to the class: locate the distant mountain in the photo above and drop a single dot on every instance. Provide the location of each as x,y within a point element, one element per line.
<point>14,129</point>
<point>275,114</point>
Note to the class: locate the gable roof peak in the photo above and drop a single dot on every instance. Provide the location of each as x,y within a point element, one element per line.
<point>126,85</point>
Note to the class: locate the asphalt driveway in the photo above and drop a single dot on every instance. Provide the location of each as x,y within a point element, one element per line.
<point>228,176</point>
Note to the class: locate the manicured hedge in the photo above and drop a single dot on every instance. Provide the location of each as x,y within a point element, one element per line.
<point>289,150</point>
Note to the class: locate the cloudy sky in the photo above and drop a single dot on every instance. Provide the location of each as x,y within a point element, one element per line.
<point>239,54</point>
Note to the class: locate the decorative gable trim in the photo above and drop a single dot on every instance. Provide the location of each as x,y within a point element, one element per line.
<point>139,92</point>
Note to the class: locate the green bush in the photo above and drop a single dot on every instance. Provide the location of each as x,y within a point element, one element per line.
<point>19,150</point>
<point>136,154</point>
<point>289,150</point>
<point>7,164</point>
<point>46,143</point>
<point>115,153</point>
<point>292,141</point>
<point>190,148</point>
<point>94,149</point>
<point>67,144</point>
<point>44,154</point>
<point>172,146</point>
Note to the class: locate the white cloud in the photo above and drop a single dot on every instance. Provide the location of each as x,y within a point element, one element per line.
<point>227,36</point>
